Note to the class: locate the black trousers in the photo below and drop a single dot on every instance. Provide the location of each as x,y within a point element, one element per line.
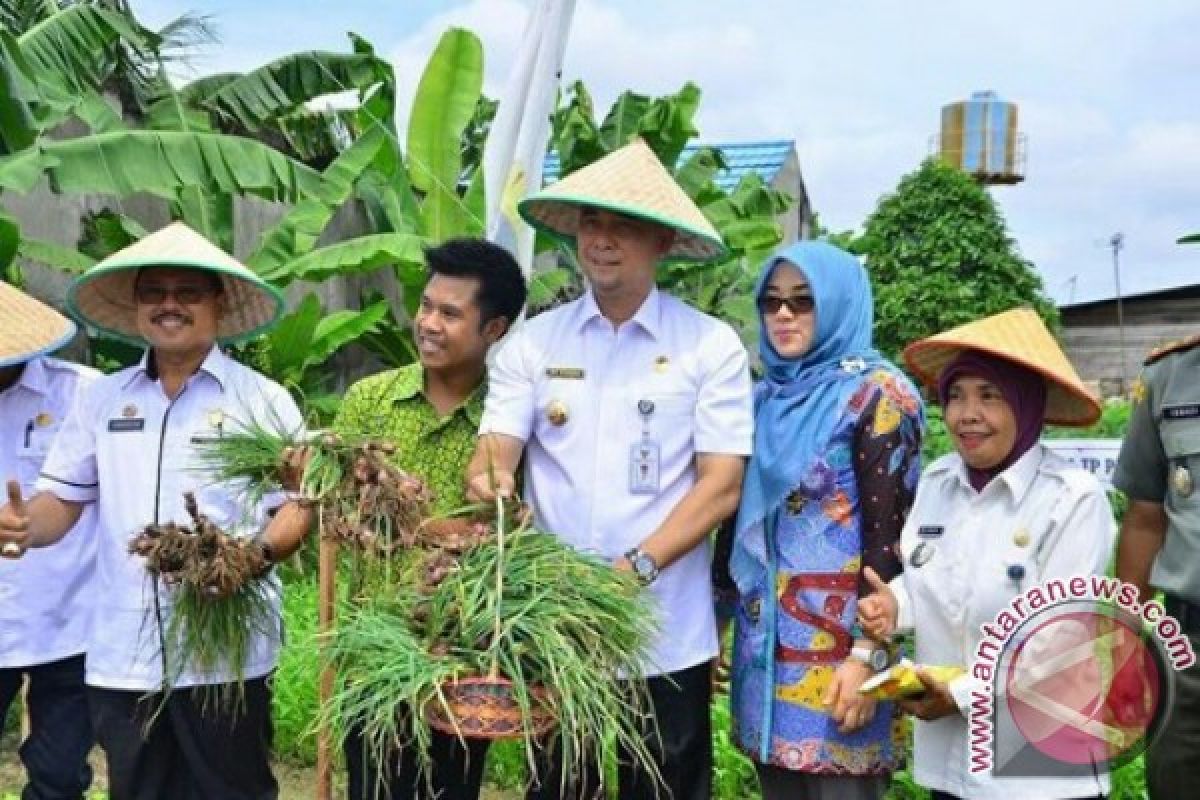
<point>1172,760</point>
<point>60,735</point>
<point>189,751</point>
<point>457,770</point>
<point>682,749</point>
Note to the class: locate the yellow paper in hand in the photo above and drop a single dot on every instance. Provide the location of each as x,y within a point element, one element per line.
<point>901,680</point>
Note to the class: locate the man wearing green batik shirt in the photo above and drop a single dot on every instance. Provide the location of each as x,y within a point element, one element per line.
<point>431,411</point>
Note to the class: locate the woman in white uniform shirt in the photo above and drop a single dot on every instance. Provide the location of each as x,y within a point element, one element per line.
<point>997,517</point>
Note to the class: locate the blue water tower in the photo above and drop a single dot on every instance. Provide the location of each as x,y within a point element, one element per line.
<point>980,137</point>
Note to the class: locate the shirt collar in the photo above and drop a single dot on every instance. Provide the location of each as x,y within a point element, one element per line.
<point>410,383</point>
<point>648,316</point>
<point>34,378</point>
<point>216,364</point>
<point>1017,478</point>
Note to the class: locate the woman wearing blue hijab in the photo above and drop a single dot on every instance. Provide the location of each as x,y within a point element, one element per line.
<point>835,464</point>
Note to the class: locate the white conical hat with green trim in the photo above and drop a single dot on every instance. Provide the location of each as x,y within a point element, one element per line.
<point>29,327</point>
<point>103,296</point>
<point>629,181</point>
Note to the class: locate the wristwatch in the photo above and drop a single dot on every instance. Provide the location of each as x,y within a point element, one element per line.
<point>877,658</point>
<point>644,565</point>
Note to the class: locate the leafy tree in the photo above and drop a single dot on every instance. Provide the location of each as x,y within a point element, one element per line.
<point>939,255</point>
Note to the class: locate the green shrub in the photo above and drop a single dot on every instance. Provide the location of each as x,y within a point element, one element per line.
<point>295,687</point>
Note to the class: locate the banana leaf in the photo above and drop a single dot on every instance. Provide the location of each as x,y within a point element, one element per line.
<point>445,102</point>
<point>67,259</point>
<point>623,120</point>
<point>341,328</point>
<point>209,214</point>
<point>74,48</point>
<point>257,98</point>
<point>18,124</point>
<point>289,341</point>
<point>297,233</point>
<point>10,237</point>
<point>669,123</point>
<point>160,163</point>
<point>19,16</point>
<point>696,174</point>
<point>354,256</point>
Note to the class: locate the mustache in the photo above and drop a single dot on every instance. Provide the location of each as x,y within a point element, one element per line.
<point>184,318</point>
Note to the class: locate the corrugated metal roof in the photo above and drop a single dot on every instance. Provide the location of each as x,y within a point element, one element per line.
<point>764,158</point>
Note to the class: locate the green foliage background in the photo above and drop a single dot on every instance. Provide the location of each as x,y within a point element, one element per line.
<point>939,255</point>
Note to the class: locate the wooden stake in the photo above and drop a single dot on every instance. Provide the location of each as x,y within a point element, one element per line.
<point>326,595</point>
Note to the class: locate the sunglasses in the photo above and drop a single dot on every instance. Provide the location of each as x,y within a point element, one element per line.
<point>184,295</point>
<point>799,304</point>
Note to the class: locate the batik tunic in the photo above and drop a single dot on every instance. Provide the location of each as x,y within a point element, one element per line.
<point>846,512</point>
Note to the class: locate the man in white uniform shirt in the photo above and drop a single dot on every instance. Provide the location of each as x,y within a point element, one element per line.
<point>127,447</point>
<point>633,412</point>
<point>44,600</point>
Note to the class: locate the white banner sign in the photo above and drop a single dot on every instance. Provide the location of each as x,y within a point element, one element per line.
<point>1097,456</point>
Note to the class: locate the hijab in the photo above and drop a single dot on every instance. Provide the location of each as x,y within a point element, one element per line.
<point>1024,391</point>
<point>799,402</point>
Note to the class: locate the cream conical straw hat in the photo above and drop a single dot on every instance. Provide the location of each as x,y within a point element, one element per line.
<point>103,296</point>
<point>29,327</point>
<point>1018,336</point>
<point>629,181</point>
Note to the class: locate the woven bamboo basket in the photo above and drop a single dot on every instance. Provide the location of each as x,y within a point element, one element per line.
<point>484,707</point>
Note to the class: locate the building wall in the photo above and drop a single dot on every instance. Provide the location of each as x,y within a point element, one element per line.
<point>796,221</point>
<point>1093,340</point>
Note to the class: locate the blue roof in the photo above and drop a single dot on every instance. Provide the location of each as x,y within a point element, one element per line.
<point>764,158</point>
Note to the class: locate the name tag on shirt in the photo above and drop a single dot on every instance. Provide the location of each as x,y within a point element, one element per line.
<point>930,531</point>
<point>1184,411</point>
<point>565,373</point>
<point>125,425</point>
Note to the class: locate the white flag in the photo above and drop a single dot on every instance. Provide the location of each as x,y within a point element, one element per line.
<point>516,144</point>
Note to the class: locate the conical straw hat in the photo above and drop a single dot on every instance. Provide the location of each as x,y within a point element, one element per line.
<point>1018,336</point>
<point>29,327</point>
<point>103,296</point>
<point>629,181</point>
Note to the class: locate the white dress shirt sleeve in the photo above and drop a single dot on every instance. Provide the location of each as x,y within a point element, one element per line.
<point>904,614</point>
<point>961,689</point>
<point>509,407</point>
<point>724,403</point>
<point>69,471</point>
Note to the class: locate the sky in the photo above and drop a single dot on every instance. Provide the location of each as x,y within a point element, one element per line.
<point>1108,96</point>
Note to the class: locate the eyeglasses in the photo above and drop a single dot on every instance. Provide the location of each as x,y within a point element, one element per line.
<point>798,304</point>
<point>184,295</point>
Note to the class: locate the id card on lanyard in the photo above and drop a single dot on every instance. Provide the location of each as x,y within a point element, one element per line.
<point>645,455</point>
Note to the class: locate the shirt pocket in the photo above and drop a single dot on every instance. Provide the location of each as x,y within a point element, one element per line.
<point>1181,444</point>
<point>670,416</point>
<point>32,455</point>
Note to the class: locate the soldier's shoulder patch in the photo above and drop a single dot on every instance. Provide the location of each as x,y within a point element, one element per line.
<point>1177,346</point>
